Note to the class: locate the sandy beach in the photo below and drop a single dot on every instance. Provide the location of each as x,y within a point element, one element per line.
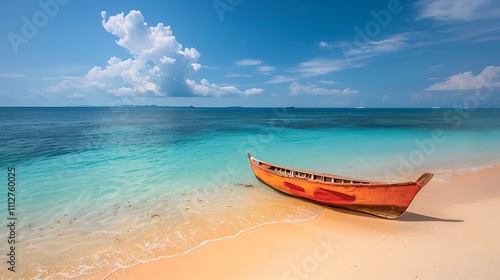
<point>450,231</point>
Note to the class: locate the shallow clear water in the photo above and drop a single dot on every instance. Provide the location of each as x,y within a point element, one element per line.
<point>103,188</point>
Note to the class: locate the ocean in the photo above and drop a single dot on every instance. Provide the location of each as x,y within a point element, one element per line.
<point>98,189</point>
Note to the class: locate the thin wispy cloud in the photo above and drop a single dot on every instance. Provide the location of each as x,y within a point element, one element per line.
<point>313,89</point>
<point>265,68</point>
<point>353,55</point>
<point>236,75</point>
<point>373,47</point>
<point>457,10</point>
<point>248,62</point>
<point>279,79</point>
<point>12,76</point>
<point>321,66</point>
<point>472,31</point>
<point>328,82</point>
<point>459,20</point>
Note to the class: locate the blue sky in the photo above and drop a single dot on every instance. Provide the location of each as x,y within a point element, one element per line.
<point>250,53</point>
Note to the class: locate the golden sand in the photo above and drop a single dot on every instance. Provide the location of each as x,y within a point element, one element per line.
<point>449,232</point>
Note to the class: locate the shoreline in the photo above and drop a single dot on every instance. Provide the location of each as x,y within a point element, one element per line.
<point>286,247</point>
<point>204,243</point>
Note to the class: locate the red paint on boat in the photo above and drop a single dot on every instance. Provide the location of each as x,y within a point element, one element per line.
<point>293,187</point>
<point>332,196</point>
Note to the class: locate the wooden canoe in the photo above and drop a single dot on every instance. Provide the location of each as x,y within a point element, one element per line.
<point>380,199</point>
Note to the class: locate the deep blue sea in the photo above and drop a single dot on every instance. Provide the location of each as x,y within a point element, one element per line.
<point>104,188</point>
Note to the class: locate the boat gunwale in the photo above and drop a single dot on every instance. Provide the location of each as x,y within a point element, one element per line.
<point>354,182</point>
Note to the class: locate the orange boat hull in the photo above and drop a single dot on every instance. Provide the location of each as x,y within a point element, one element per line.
<point>379,199</point>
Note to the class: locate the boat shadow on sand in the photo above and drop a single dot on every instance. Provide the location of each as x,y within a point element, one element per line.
<point>414,217</point>
<point>408,216</point>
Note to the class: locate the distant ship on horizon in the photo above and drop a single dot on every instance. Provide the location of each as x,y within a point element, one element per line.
<point>360,105</point>
<point>436,106</point>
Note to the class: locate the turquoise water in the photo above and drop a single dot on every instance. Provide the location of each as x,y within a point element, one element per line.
<point>104,188</point>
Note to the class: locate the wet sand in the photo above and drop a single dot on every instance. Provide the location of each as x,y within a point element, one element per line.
<point>450,231</point>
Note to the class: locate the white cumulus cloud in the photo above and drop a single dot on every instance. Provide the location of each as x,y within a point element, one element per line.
<point>196,66</point>
<point>159,66</point>
<point>204,88</point>
<point>489,77</point>
<point>253,91</point>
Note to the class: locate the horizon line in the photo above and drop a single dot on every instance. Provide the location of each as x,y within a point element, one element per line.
<point>243,107</point>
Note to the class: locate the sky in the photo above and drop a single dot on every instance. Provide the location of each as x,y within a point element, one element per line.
<point>389,54</point>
